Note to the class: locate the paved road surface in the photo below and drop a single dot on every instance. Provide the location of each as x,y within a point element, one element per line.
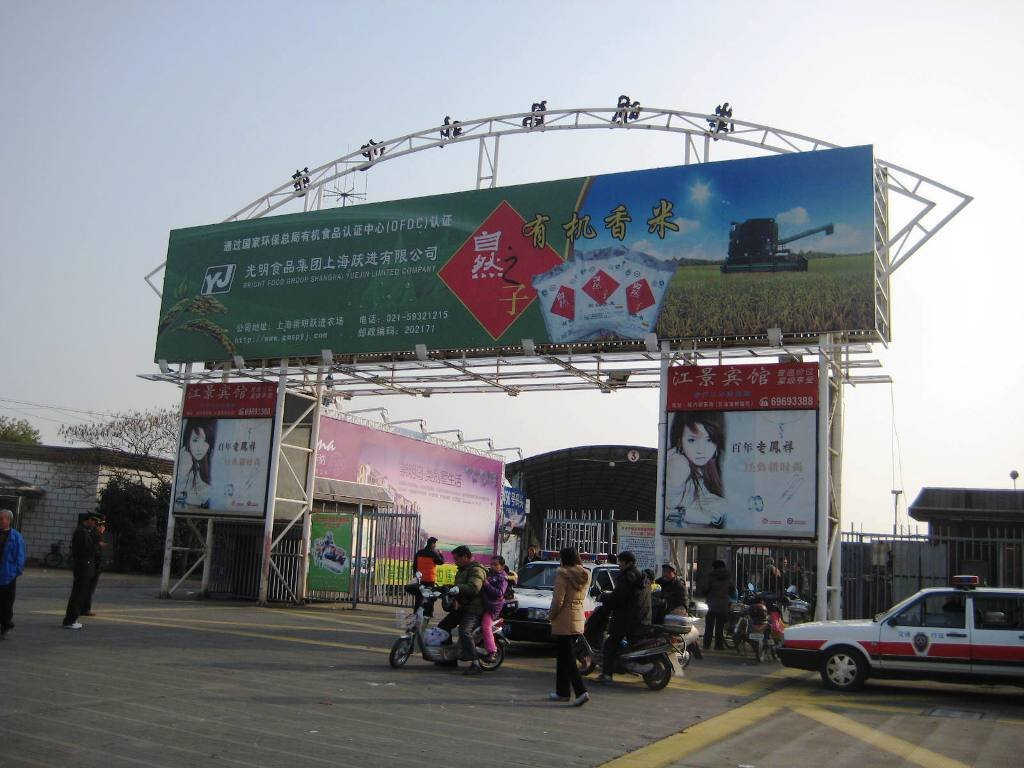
<point>186,683</point>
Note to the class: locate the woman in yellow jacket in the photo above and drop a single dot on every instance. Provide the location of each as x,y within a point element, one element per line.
<point>567,619</point>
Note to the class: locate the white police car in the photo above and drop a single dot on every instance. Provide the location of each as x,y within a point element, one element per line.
<point>534,589</point>
<point>960,633</point>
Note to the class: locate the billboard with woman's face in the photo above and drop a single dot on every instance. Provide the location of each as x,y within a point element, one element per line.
<point>741,453</point>
<point>223,458</point>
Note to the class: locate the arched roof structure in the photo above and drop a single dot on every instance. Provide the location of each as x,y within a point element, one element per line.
<point>590,478</point>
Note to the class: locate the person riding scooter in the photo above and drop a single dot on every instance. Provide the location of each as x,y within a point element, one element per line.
<point>630,604</point>
<point>468,584</point>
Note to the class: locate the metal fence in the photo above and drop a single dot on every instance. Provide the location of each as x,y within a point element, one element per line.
<point>382,550</point>
<point>590,531</point>
<point>383,545</point>
<point>879,570</point>
<point>238,555</point>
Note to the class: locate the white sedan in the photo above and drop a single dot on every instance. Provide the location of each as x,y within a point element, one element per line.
<point>959,633</point>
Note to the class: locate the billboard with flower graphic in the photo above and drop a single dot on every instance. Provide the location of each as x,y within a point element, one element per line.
<point>688,252</point>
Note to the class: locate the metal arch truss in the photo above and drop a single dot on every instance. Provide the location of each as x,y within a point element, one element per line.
<point>932,204</point>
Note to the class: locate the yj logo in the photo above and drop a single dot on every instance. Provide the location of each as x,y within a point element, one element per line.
<point>218,279</point>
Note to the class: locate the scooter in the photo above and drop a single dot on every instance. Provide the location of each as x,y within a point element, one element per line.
<point>434,643</point>
<point>765,627</point>
<point>798,608</point>
<point>647,656</point>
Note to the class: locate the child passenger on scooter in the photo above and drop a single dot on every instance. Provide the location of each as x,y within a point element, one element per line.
<point>493,591</point>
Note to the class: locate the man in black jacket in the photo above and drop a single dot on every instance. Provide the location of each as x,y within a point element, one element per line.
<point>672,590</point>
<point>83,558</point>
<point>630,603</point>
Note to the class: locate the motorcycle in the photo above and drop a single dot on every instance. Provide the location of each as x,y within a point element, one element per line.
<point>436,644</point>
<point>797,608</point>
<point>647,656</point>
<point>766,627</point>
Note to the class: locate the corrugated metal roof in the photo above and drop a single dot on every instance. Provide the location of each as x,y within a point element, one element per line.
<point>592,477</point>
<point>968,504</point>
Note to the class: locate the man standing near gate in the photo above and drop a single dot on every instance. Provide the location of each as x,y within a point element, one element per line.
<point>83,558</point>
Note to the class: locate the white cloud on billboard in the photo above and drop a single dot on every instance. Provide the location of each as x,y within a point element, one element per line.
<point>794,217</point>
<point>686,225</point>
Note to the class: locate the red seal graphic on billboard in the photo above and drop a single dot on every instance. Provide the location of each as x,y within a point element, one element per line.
<point>639,296</point>
<point>564,303</point>
<point>600,286</point>
<point>491,273</point>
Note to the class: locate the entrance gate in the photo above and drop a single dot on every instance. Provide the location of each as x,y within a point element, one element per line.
<point>591,531</point>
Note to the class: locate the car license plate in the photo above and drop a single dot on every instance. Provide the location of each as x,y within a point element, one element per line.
<point>756,636</point>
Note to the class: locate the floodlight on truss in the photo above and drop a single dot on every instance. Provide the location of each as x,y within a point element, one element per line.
<point>421,422</point>
<point>489,441</point>
<point>445,432</point>
<point>519,451</point>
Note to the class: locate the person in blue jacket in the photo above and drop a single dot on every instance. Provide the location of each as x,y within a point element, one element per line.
<point>12,563</point>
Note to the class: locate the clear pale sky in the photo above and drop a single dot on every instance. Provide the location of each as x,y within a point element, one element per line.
<point>125,120</point>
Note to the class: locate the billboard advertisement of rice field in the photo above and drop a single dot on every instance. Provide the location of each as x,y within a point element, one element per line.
<point>708,251</point>
<point>457,495</point>
<point>742,447</point>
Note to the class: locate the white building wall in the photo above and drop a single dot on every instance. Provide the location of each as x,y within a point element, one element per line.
<point>70,489</point>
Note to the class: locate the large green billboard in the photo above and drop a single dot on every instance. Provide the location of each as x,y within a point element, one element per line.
<point>698,251</point>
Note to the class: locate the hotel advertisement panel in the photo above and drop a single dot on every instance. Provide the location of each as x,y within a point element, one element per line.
<point>687,252</point>
<point>456,494</point>
<point>741,451</point>
<point>224,450</point>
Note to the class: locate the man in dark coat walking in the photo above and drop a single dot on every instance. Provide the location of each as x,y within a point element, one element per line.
<point>718,590</point>
<point>83,558</point>
<point>630,604</point>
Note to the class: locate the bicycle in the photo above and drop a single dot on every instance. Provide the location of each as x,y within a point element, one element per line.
<point>57,556</point>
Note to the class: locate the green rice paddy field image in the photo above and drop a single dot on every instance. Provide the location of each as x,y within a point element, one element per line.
<point>834,294</point>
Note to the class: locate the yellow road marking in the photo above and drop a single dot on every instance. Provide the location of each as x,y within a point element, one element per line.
<point>697,737</point>
<point>241,633</point>
<point>893,744</point>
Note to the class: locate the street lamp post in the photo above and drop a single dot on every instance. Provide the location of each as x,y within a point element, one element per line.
<point>1014,474</point>
<point>895,510</point>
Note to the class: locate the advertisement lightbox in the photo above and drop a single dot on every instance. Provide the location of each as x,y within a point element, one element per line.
<point>741,451</point>
<point>687,252</point>
<point>224,450</point>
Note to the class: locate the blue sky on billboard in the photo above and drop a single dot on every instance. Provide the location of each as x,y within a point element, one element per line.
<point>798,191</point>
<point>128,120</point>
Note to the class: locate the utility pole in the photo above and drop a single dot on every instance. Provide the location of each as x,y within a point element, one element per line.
<point>895,510</point>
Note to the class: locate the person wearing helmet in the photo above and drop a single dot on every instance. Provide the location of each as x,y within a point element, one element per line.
<point>630,603</point>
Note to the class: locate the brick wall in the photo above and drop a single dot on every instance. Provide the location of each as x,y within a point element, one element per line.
<point>70,488</point>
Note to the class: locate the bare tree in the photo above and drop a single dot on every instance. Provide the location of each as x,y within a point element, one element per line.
<point>152,433</point>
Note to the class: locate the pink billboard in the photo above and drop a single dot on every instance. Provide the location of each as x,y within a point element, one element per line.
<point>456,494</point>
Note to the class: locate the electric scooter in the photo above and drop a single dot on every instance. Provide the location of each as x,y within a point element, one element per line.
<point>436,644</point>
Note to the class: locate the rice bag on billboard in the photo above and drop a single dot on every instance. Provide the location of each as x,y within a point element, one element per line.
<point>645,283</point>
<point>600,301</point>
<point>559,301</point>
